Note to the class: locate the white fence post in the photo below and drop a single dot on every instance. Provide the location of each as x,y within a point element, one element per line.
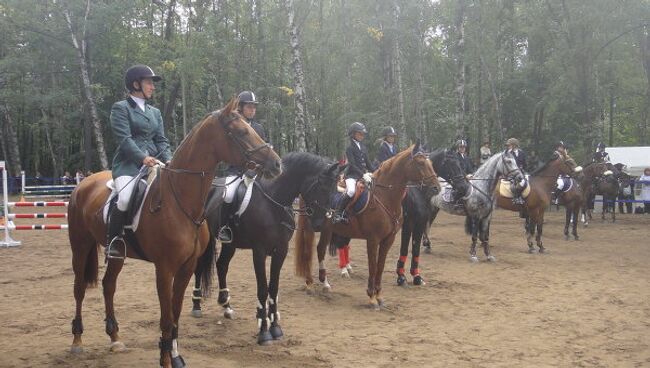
<point>8,241</point>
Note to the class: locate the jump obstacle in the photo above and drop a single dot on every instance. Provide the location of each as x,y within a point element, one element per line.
<point>46,191</point>
<point>8,225</point>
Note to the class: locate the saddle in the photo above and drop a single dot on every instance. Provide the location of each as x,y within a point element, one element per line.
<point>567,184</point>
<point>140,191</point>
<point>505,189</point>
<point>358,203</point>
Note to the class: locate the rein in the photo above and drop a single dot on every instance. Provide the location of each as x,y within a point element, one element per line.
<point>197,222</point>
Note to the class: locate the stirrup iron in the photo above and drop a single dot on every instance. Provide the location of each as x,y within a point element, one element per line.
<point>225,234</point>
<point>110,248</point>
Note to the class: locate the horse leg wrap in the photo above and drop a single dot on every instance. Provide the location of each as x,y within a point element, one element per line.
<point>400,265</point>
<point>415,263</point>
<point>342,262</point>
<point>77,326</point>
<point>346,251</point>
<point>224,297</point>
<point>111,325</point>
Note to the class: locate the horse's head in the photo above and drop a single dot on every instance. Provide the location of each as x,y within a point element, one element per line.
<point>508,167</point>
<point>447,164</point>
<point>595,170</point>
<point>244,147</point>
<point>317,193</point>
<point>420,170</point>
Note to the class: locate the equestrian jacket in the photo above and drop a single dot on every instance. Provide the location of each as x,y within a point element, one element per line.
<point>138,134</point>
<point>520,158</point>
<point>600,156</point>
<point>358,161</point>
<point>233,170</point>
<point>386,151</point>
<point>466,163</point>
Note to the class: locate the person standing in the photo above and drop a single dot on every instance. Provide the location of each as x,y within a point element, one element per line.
<point>485,152</point>
<point>465,161</point>
<point>645,189</point>
<point>140,136</point>
<point>387,147</point>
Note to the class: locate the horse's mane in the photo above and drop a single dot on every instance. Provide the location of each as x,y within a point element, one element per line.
<point>555,157</point>
<point>388,164</point>
<point>303,163</point>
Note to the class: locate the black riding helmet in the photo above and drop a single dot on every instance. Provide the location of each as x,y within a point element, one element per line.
<point>247,97</point>
<point>560,144</point>
<point>137,73</point>
<point>356,127</point>
<point>388,132</point>
<point>601,146</point>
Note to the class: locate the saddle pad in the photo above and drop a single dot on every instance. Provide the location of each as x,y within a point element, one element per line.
<point>247,195</point>
<point>505,189</point>
<point>136,216</point>
<point>357,206</point>
<point>567,184</point>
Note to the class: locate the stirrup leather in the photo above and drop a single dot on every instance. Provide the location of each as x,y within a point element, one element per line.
<point>225,234</point>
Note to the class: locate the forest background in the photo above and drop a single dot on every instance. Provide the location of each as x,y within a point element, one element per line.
<point>538,70</point>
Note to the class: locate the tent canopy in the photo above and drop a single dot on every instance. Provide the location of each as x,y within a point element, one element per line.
<point>635,158</point>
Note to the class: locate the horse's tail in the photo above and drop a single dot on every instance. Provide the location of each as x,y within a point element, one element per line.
<point>82,241</point>
<point>304,245</point>
<point>205,266</point>
<point>470,224</point>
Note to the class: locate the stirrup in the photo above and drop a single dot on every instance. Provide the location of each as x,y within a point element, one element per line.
<point>518,200</point>
<point>112,252</point>
<point>225,234</point>
<point>340,218</point>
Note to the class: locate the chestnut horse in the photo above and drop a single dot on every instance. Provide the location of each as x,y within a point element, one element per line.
<point>172,232</point>
<point>378,224</point>
<point>542,182</point>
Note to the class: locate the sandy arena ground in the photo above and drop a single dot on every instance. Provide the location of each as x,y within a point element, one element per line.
<point>584,304</point>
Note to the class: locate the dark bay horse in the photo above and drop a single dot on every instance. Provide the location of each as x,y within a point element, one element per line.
<point>542,182</point>
<point>266,227</point>
<point>171,233</point>
<point>417,211</point>
<point>378,224</point>
<point>573,200</point>
<point>478,204</point>
<point>591,175</point>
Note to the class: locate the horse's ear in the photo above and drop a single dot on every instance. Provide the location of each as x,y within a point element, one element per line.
<point>231,105</point>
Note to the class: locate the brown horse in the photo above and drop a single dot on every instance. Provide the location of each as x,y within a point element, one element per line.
<point>172,232</point>
<point>542,182</point>
<point>573,200</point>
<point>378,224</point>
<point>591,175</point>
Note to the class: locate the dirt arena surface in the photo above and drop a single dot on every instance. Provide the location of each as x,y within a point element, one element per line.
<point>584,304</point>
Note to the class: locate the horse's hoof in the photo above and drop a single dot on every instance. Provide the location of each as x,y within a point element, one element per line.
<point>326,287</point>
<point>229,313</point>
<point>76,349</point>
<point>427,250</point>
<point>178,362</point>
<point>473,259</point>
<point>197,313</point>
<point>117,346</point>
<point>345,273</point>
<point>491,259</point>
<point>401,280</point>
<point>531,250</point>
<point>264,338</point>
<point>276,332</point>
<point>418,281</point>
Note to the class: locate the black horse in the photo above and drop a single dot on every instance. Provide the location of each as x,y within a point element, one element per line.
<point>266,227</point>
<point>418,213</point>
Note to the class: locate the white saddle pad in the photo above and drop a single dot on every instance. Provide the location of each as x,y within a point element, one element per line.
<point>136,218</point>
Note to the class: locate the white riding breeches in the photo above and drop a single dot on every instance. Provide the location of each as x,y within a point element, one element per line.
<point>560,183</point>
<point>350,187</point>
<point>124,186</point>
<point>232,183</point>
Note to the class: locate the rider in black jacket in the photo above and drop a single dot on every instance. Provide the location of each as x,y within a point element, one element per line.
<point>388,147</point>
<point>359,166</point>
<point>465,160</point>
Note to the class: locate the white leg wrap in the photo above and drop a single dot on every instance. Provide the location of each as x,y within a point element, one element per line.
<point>174,348</point>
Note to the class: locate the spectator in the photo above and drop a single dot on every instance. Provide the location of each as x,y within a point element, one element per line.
<point>79,176</point>
<point>645,189</point>
<point>66,179</point>
<point>485,152</point>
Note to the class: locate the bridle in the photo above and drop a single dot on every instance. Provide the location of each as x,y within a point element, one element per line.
<point>308,210</point>
<point>248,153</point>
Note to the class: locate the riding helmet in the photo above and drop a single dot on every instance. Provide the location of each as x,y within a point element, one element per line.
<point>601,146</point>
<point>461,143</point>
<point>389,131</point>
<point>137,73</point>
<point>513,142</point>
<point>559,144</point>
<point>357,127</point>
<point>247,97</point>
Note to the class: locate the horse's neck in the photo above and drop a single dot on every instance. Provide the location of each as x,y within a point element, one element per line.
<point>390,183</point>
<point>487,175</point>
<point>548,176</point>
<point>284,189</point>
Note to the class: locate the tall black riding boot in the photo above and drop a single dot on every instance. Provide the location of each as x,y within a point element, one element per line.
<point>114,241</point>
<point>225,232</point>
<point>340,215</point>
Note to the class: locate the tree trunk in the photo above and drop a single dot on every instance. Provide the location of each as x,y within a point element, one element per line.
<point>50,146</point>
<point>401,124</point>
<point>644,42</point>
<point>495,100</point>
<point>301,116</point>
<point>80,48</point>
<point>10,143</point>
<point>459,25</point>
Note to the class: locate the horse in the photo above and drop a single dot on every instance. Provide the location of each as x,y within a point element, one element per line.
<point>266,228</point>
<point>608,187</point>
<point>478,203</point>
<point>542,182</point>
<point>590,175</point>
<point>417,211</point>
<point>172,232</point>
<point>573,200</point>
<point>625,191</point>
<point>378,224</point>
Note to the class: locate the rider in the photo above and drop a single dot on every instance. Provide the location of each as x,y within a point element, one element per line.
<point>140,136</point>
<point>600,155</point>
<point>359,166</point>
<point>559,151</point>
<point>512,146</point>
<point>234,174</point>
<point>465,161</point>
<point>388,147</point>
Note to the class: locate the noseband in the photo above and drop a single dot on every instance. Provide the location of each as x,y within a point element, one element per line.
<point>248,153</point>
